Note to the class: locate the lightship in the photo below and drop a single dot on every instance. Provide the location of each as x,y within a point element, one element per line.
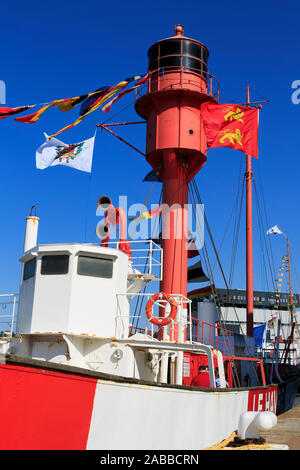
<point>76,375</point>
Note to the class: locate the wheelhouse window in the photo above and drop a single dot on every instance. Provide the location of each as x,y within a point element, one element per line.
<point>55,264</point>
<point>95,267</point>
<point>29,269</point>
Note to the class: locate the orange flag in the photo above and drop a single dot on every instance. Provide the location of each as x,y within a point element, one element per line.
<point>230,125</point>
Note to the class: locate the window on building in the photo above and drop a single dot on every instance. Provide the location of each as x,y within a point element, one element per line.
<point>96,267</point>
<point>29,269</point>
<point>234,327</point>
<point>55,264</point>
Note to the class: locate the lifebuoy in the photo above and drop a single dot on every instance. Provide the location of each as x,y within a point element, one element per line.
<point>162,321</point>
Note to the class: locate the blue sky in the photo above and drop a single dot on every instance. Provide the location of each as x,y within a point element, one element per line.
<point>52,50</point>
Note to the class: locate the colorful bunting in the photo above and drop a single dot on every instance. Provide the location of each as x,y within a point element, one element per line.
<point>6,112</point>
<point>272,322</point>
<point>90,102</point>
<point>70,103</point>
<point>31,118</point>
<point>110,92</point>
<point>148,214</point>
<point>108,105</point>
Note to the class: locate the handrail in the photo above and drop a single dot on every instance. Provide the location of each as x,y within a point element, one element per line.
<point>211,88</point>
<point>153,256</point>
<point>253,359</point>
<point>10,317</point>
<point>220,344</point>
<point>148,326</point>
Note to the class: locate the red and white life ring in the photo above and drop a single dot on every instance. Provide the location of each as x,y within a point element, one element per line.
<point>161,321</point>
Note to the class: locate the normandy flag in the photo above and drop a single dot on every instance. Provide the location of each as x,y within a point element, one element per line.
<point>229,125</point>
<point>54,152</point>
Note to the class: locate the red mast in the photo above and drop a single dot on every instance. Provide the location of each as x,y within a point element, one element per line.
<point>176,144</point>
<point>249,240</point>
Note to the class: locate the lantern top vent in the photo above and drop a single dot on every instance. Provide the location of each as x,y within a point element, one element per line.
<point>177,52</point>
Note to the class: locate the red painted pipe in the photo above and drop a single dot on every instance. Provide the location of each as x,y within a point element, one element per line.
<point>115,216</point>
<point>174,229</point>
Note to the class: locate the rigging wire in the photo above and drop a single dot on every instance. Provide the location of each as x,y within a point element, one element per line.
<point>232,211</point>
<point>262,237</point>
<point>266,216</point>
<point>215,296</point>
<point>263,232</point>
<point>144,206</point>
<point>236,226</point>
<point>223,274</point>
<point>236,237</point>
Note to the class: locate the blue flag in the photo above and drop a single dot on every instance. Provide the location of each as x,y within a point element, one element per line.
<point>258,333</point>
<point>152,176</point>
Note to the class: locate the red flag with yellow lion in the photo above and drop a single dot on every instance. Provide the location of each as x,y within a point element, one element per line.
<point>229,125</point>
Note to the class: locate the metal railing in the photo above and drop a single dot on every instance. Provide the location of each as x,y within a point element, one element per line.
<point>213,335</point>
<point>269,354</point>
<point>209,85</point>
<point>8,313</point>
<point>182,320</point>
<point>147,257</point>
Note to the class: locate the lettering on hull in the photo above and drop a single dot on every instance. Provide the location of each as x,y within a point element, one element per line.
<point>263,400</point>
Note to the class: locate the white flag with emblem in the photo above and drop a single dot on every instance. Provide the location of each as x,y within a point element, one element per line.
<point>54,152</point>
<point>275,230</point>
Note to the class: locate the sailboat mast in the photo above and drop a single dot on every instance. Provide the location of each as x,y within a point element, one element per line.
<point>249,240</point>
<point>291,300</point>
<point>290,279</point>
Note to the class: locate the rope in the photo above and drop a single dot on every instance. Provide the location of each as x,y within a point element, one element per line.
<point>266,216</point>
<point>144,205</point>
<point>224,278</point>
<point>264,446</point>
<point>211,278</point>
<point>234,208</point>
<point>229,439</point>
<point>222,443</point>
<point>235,239</point>
<point>263,236</point>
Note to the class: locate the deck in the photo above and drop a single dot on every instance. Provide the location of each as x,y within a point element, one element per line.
<point>287,430</point>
